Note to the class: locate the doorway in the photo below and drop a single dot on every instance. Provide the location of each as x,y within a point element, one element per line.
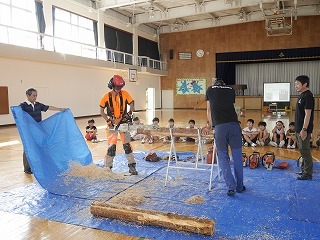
<point>150,99</point>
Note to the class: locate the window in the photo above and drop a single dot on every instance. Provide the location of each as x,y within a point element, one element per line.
<point>75,34</point>
<point>148,49</point>
<point>121,41</point>
<point>18,16</point>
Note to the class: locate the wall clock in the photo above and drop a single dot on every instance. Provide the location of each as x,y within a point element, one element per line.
<point>200,53</point>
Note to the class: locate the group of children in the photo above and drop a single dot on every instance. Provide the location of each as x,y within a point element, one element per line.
<point>278,137</point>
<point>252,136</point>
<point>147,137</point>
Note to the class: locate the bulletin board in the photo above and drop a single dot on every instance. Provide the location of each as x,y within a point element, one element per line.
<point>4,100</point>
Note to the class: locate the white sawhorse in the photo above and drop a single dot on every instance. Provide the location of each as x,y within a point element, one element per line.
<point>192,166</point>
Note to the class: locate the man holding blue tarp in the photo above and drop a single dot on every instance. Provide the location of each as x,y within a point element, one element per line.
<point>34,109</point>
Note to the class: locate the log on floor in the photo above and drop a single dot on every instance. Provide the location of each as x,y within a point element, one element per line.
<point>176,132</point>
<point>174,221</point>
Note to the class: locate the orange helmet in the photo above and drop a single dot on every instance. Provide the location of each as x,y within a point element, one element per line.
<point>116,81</point>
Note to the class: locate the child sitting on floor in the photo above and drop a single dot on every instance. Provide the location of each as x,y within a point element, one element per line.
<point>191,125</point>
<point>91,131</point>
<point>291,136</point>
<point>278,135</point>
<point>170,125</point>
<point>249,134</point>
<point>318,139</point>
<point>148,137</point>
<point>264,135</point>
<point>134,135</point>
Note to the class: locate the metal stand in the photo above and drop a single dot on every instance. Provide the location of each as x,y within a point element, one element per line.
<point>192,166</point>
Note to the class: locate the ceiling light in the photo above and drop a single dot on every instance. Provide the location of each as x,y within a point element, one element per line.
<point>151,11</point>
<point>176,26</point>
<point>242,15</point>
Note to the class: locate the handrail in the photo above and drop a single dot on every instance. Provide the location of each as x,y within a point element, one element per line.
<point>144,61</point>
<point>57,44</point>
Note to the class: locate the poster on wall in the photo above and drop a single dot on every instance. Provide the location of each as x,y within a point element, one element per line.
<point>188,86</point>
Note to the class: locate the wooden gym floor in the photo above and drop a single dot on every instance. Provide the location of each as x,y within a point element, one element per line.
<point>15,226</point>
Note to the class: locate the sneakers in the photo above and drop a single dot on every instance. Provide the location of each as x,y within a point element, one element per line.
<point>132,169</point>
<point>143,141</point>
<point>253,144</point>
<point>304,177</point>
<point>273,144</point>
<point>289,146</point>
<point>164,140</point>
<point>293,146</point>
<point>245,144</point>
<point>231,193</point>
<point>281,144</point>
<point>94,140</point>
<point>150,141</point>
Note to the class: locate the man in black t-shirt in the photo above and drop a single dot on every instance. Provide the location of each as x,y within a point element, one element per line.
<point>222,116</point>
<point>34,109</point>
<point>304,125</point>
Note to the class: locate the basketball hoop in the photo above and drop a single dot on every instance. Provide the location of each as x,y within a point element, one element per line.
<point>132,75</point>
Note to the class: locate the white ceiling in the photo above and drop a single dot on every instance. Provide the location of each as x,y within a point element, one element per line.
<point>184,15</point>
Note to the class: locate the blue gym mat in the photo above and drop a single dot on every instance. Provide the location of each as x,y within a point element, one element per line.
<point>274,206</point>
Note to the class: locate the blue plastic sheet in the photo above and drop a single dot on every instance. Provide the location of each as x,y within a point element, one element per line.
<point>274,206</point>
<point>51,145</point>
<point>262,212</point>
<point>54,143</point>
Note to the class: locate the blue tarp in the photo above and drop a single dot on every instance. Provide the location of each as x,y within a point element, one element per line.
<point>51,145</point>
<point>268,209</point>
<point>274,206</point>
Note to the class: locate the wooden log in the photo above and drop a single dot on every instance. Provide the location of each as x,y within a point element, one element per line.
<point>176,132</point>
<point>173,221</point>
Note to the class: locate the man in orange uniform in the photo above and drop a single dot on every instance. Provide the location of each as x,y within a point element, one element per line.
<point>113,108</point>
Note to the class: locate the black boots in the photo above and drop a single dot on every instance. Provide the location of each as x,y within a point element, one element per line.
<point>132,169</point>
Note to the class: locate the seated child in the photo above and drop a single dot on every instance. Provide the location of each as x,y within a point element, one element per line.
<point>134,135</point>
<point>264,135</point>
<point>192,124</point>
<point>291,136</point>
<point>318,140</point>
<point>278,135</point>
<point>249,134</point>
<point>148,137</point>
<point>205,129</point>
<point>170,125</point>
<point>91,131</point>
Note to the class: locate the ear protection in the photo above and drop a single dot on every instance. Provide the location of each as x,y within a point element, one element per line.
<point>110,83</point>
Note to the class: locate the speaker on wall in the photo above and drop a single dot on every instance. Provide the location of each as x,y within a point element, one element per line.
<point>171,54</point>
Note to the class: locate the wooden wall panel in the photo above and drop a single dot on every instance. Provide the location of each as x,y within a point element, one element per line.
<point>253,103</point>
<point>293,101</point>
<point>316,103</point>
<point>239,102</point>
<point>4,100</point>
<point>233,38</point>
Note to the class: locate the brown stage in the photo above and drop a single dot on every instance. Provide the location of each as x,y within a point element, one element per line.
<point>15,226</point>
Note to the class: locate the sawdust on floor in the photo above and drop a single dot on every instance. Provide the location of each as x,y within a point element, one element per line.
<point>195,200</point>
<point>130,197</point>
